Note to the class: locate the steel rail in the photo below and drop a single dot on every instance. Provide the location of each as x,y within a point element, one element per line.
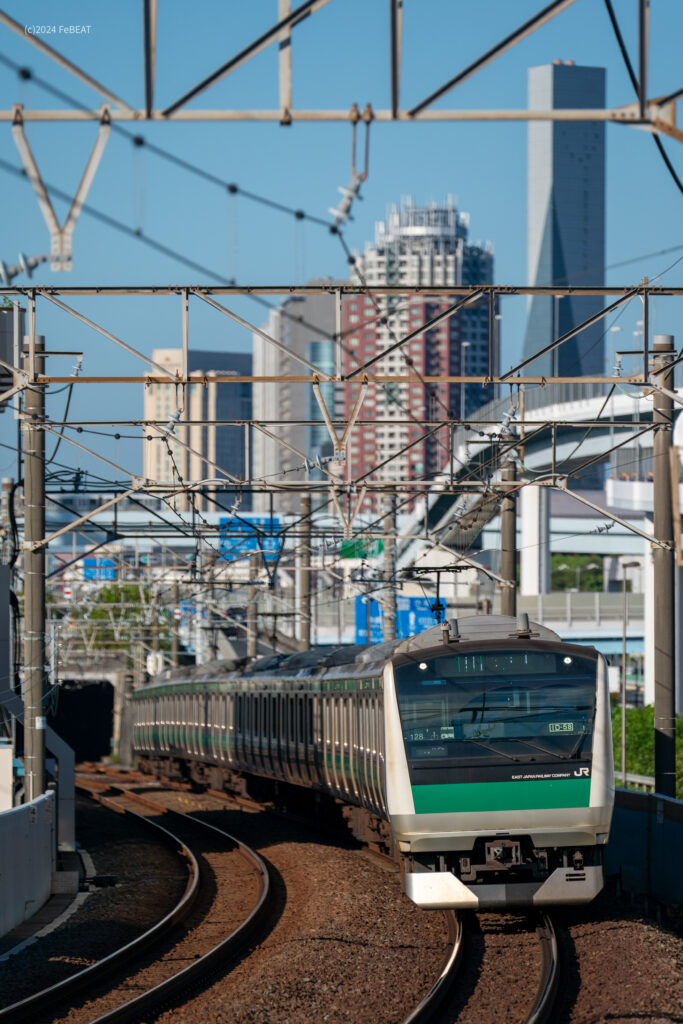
<point>33,1006</point>
<point>430,1004</point>
<point>163,992</point>
<point>544,1000</point>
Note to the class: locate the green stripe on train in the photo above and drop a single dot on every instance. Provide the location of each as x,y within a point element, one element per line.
<point>544,794</point>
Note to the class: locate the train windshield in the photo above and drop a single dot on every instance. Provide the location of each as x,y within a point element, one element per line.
<point>498,706</point>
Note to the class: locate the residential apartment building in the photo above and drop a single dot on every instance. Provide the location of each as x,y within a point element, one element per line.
<point>305,325</point>
<point>426,246</point>
<point>200,445</point>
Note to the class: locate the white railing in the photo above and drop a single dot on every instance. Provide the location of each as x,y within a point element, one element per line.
<point>645,783</point>
<point>594,609</point>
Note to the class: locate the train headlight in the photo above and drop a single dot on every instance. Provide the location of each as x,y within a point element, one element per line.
<point>422,666</point>
<point>567,661</point>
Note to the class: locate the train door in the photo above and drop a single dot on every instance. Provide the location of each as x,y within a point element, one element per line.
<point>335,730</point>
<point>342,706</point>
<point>228,711</point>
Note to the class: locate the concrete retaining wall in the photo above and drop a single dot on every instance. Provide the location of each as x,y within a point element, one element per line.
<point>27,859</point>
<point>645,845</point>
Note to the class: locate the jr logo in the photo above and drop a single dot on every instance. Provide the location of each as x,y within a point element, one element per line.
<point>582,772</point>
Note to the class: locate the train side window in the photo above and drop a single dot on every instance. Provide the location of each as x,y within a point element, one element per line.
<point>300,702</point>
<point>309,703</point>
<point>291,719</point>
<point>273,716</point>
<point>238,714</point>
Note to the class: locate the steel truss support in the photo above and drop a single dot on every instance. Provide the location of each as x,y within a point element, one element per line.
<point>63,62</point>
<point>562,486</point>
<point>340,443</point>
<point>150,41</point>
<point>296,16</point>
<point>166,374</point>
<point>61,238</point>
<point>257,330</point>
<point>505,44</point>
<point>284,9</point>
<point>656,115</point>
<point>471,300</point>
<point>347,523</point>
<point>396,28</point>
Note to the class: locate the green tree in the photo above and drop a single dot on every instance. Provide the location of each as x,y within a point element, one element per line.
<point>640,743</point>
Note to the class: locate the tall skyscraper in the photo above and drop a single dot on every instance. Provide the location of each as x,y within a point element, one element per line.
<point>305,324</point>
<point>206,402</point>
<point>565,217</point>
<point>416,246</point>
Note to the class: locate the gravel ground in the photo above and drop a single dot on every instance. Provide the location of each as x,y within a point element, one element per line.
<point>151,879</point>
<point>347,945</point>
<point>616,966</point>
<point>501,970</point>
<point>619,966</point>
<point>227,894</point>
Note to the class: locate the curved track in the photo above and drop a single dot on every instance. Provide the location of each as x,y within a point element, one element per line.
<point>550,973</point>
<point>463,990</point>
<point>75,989</point>
<point>438,993</point>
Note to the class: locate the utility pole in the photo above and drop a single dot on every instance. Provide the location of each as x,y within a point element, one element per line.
<point>508,538</point>
<point>199,611</point>
<point>34,580</point>
<point>389,572</point>
<point>176,626</point>
<point>6,486</point>
<point>304,574</point>
<point>664,582</point>
<point>155,622</point>
<point>252,609</point>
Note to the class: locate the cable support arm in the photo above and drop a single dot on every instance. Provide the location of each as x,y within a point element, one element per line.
<point>603,512</point>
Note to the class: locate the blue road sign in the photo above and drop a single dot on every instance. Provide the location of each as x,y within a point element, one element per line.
<point>237,538</point>
<point>413,615</point>
<point>100,569</point>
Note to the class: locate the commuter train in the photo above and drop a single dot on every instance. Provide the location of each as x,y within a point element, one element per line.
<point>479,751</point>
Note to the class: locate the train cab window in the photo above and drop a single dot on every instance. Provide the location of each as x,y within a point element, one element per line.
<point>498,707</point>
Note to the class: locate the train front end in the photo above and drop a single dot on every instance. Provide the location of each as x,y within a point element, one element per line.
<point>499,769</point>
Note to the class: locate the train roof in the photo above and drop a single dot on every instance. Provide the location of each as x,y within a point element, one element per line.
<point>479,628</point>
<point>359,660</point>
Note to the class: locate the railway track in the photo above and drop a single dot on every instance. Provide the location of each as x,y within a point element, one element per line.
<point>443,1001</point>
<point>176,938</point>
<point>546,993</point>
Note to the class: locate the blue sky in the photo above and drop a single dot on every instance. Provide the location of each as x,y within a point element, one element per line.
<point>340,56</point>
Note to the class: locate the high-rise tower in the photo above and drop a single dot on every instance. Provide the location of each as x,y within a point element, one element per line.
<point>416,246</point>
<point>198,444</point>
<point>565,217</point>
<point>305,325</point>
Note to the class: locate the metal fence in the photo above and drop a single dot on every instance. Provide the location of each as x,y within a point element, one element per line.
<point>644,845</point>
